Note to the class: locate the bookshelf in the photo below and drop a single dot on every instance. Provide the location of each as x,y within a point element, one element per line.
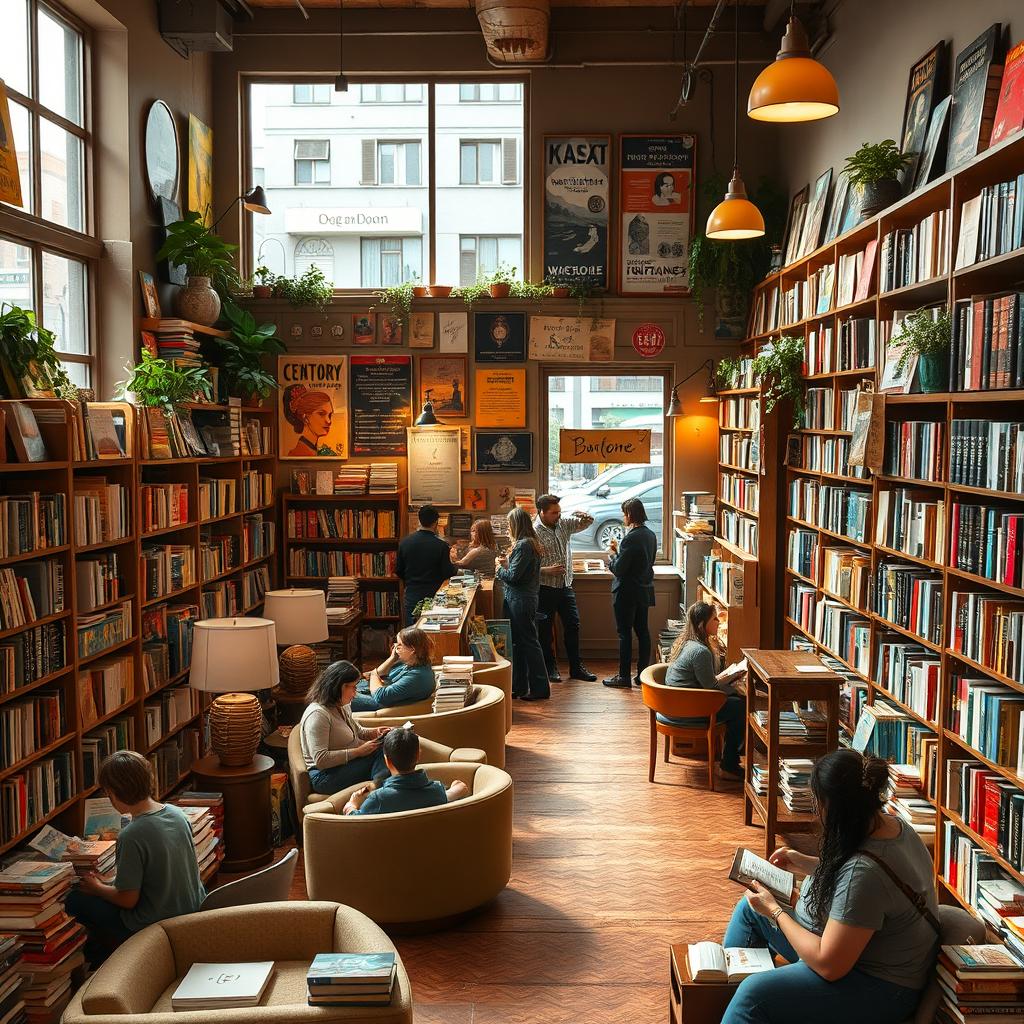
<point>899,598</point>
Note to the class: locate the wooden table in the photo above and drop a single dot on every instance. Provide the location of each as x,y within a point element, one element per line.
<point>692,1002</point>
<point>453,641</point>
<point>773,680</point>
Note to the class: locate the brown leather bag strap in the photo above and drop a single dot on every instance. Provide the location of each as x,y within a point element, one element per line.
<point>917,898</point>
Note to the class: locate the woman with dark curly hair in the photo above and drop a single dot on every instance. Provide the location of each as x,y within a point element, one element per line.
<point>862,940</point>
<point>310,414</point>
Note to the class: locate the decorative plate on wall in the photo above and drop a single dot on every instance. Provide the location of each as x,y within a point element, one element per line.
<point>163,154</point>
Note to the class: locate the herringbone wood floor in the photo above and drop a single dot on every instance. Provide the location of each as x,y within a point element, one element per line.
<point>608,870</point>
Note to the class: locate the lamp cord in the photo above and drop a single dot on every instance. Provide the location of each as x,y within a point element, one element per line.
<point>341,37</point>
<point>736,94</point>
<point>708,364</point>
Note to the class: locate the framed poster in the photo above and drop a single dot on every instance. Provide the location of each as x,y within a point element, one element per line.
<point>200,169</point>
<point>381,389</point>
<point>443,382</point>
<point>570,339</point>
<point>811,237</point>
<point>453,332</point>
<point>474,499</point>
<point>10,175</point>
<point>926,85</point>
<point>150,299</point>
<point>577,173</point>
<point>499,337</point>
<point>312,412</point>
<point>421,330</point>
<point>504,451</point>
<point>435,466</point>
<point>364,328</point>
<point>499,398</point>
<point>392,330</point>
<point>656,200</point>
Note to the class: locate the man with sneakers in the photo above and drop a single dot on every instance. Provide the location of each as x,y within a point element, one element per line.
<point>554,531</point>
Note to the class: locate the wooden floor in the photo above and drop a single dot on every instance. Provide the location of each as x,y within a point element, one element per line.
<point>608,870</point>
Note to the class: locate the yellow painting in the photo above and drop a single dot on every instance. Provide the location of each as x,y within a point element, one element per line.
<point>200,169</point>
<point>10,179</point>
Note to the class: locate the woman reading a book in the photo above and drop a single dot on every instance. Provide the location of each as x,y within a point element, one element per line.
<point>405,677</point>
<point>483,550</point>
<point>862,939</point>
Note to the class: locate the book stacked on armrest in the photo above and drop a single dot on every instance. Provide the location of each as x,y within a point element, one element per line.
<point>979,983</point>
<point>454,683</point>
<point>12,994</point>
<point>351,979</point>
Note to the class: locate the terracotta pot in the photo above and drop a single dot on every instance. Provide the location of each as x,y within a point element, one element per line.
<point>560,292</point>
<point>419,292</point>
<point>439,291</point>
<point>262,291</point>
<point>198,302</point>
<point>499,291</point>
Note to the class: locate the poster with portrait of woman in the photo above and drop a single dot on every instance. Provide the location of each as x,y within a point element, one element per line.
<point>312,415</point>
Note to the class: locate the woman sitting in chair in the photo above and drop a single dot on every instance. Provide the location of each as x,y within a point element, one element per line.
<point>405,677</point>
<point>696,662</point>
<point>861,942</point>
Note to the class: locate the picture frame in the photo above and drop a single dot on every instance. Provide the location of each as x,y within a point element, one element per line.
<point>435,466</point>
<point>444,381</point>
<point>927,82</point>
<point>306,428</point>
<point>499,337</point>
<point>364,328</point>
<point>794,222</point>
<point>811,236</point>
<point>933,156</point>
<point>503,451</point>
<point>200,169</point>
<point>380,402</point>
<point>150,298</point>
<point>840,195</point>
<point>162,149</point>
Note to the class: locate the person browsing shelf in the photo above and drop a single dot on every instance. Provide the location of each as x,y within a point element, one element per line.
<point>423,562</point>
<point>337,750</point>
<point>695,661</point>
<point>858,947</point>
<point>483,550</point>
<point>156,871</point>
<point>557,597</point>
<point>632,565</point>
<point>519,572</point>
<point>408,788</point>
<point>405,677</point>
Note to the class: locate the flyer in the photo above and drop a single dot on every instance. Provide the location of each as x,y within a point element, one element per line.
<point>499,397</point>
<point>571,339</point>
<point>381,401</point>
<point>435,466</point>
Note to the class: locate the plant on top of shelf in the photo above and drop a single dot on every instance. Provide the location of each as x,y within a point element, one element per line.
<point>158,383</point>
<point>245,351</point>
<point>312,289</point>
<point>499,283</point>
<point>31,366</point>
<point>397,300</point>
<point>209,262</point>
<point>529,290</point>
<point>874,171</point>
<point>559,285</point>
<point>726,373</point>
<point>928,337</point>
<point>778,365</point>
<point>263,283</point>
<point>470,294</point>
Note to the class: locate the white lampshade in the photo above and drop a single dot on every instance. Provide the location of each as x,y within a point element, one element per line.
<point>233,655</point>
<point>300,615</point>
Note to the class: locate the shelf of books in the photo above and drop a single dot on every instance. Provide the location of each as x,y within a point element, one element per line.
<point>910,580</point>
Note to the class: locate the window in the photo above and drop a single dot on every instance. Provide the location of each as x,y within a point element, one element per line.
<point>312,92</point>
<point>47,256</point>
<point>481,255</point>
<point>390,261</point>
<point>398,163</point>
<point>312,162</point>
<point>314,252</point>
<point>489,92</point>
<point>574,400</point>
<point>489,162</point>
<point>398,92</point>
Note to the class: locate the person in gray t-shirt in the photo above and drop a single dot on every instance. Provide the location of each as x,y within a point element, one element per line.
<point>858,948</point>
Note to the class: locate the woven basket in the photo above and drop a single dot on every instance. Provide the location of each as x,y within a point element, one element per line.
<point>235,720</point>
<point>297,669</point>
<point>515,30</point>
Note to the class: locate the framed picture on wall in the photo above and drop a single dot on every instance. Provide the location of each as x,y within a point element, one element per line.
<point>928,82</point>
<point>313,407</point>
<point>200,169</point>
<point>435,466</point>
<point>381,397</point>
<point>499,337</point>
<point>442,382</point>
<point>504,451</point>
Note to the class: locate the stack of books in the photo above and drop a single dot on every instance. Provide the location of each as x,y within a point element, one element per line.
<point>808,726</point>
<point>342,599</point>
<point>351,480</point>
<point>12,1001</point>
<point>440,620</point>
<point>668,636</point>
<point>700,514</point>
<point>351,979</point>
<point>383,477</point>
<point>92,856</point>
<point>795,784</point>
<point>176,342</point>
<point>1013,933</point>
<point>979,983</point>
<point>906,798</point>
<point>206,815</point>
<point>222,986</point>
<point>999,899</point>
<point>454,683</point>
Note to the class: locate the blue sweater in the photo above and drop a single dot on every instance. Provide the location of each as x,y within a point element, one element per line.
<point>404,793</point>
<point>407,684</point>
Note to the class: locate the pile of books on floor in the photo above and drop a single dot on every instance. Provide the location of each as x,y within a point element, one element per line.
<point>383,477</point>
<point>454,682</point>
<point>980,983</point>
<point>351,480</point>
<point>342,600</point>
<point>906,798</point>
<point>351,979</point>
<point>12,1001</point>
<point>205,812</point>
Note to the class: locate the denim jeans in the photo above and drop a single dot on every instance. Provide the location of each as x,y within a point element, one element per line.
<point>794,994</point>
<point>733,714</point>
<point>560,602</point>
<point>359,769</point>
<point>630,618</point>
<point>529,674</point>
<point>104,929</point>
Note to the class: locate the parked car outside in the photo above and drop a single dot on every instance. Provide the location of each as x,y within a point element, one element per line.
<point>611,483</point>
<point>607,512</point>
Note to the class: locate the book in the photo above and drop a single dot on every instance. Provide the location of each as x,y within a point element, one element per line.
<point>222,986</point>
<point>23,429</point>
<point>747,868</point>
<point>350,968</point>
<point>708,961</point>
<point>976,77</point>
<point>1009,116</point>
<point>989,960</point>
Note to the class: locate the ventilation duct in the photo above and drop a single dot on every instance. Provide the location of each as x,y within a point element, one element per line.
<point>515,31</point>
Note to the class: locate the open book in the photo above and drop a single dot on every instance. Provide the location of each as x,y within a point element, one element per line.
<point>708,961</point>
<point>747,867</point>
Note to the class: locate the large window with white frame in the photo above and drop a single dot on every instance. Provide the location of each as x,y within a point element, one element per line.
<point>387,262</point>
<point>489,162</point>
<point>398,163</point>
<point>312,161</point>
<point>490,92</point>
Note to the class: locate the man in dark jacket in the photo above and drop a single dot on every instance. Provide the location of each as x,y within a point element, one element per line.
<point>423,564</point>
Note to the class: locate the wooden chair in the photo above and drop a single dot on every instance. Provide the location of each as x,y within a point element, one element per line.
<point>681,702</point>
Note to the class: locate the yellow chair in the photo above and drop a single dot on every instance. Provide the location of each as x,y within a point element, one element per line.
<point>682,702</point>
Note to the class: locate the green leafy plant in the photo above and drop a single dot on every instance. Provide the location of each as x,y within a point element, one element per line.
<point>503,275</point>
<point>397,301</point>
<point>312,289</point>
<point>29,352</point>
<point>725,372</point>
<point>872,163</point>
<point>921,335</point>
<point>203,253</point>
<point>244,352</point>
<point>778,365</point>
<point>529,290</point>
<point>264,276</point>
<point>471,294</point>
<point>157,383</point>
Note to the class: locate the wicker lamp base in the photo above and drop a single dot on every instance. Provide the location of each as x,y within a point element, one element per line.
<point>235,720</point>
<point>297,669</point>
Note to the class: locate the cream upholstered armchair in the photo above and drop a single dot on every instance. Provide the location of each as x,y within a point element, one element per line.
<point>137,982</point>
<point>497,674</point>
<point>428,864</point>
<point>480,724</point>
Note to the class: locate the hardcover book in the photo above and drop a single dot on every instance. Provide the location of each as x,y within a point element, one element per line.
<point>927,84</point>
<point>1009,116</point>
<point>333,968</point>
<point>220,986</point>
<point>975,91</point>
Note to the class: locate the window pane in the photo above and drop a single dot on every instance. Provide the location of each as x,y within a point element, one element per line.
<point>468,93</point>
<point>414,93</point>
<point>412,259</point>
<point>303,172</point>
<point>323,172</point>
<point>412,163</point>
<point>487,161</point>
<point>60,67</point>
<point>509,253</point>
<point>302,93</point>
<point>468,175</point>
<point>16,274</point>
<point>487,248</point>
<point>322,93</point>
<point>14,45</point>
<point>79,373</point>
<point>19,125</point>
<point>64,303</point>
<point>63,192</point>
<point>387,164</point>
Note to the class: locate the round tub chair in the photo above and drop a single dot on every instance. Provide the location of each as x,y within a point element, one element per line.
<point>497,674</point>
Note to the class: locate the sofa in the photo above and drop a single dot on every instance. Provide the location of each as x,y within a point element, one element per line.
<point>414,866</point>
<point>497,674</point>
<point>479,724</point>
<point>137,982</point>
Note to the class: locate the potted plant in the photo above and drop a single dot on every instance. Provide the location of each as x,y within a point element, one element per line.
<point>263,283</point>
<point>439,291</point>
<point>209,263</point>
<point>419,289</point>
<point>244,352</point>
<point>926,333</point>
<point>778,365</point>
<point>312,289</point>
<point>470,293</point>
<point>157,383</point>
<point>31,366</point>
<point>499,284</point>
<point>529,290</point>
<point>874,171</point>
<point>397,300</point>
<point>559,286</point>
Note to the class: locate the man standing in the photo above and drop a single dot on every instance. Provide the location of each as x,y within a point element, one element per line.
<point>556,594</point>
<point>423,564</point>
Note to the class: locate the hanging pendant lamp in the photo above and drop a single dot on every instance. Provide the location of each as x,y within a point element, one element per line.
<point>735,217</point>
<point>795,87</point>
<point>341,82</point>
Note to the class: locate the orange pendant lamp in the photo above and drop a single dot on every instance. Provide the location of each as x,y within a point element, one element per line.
<point>735,217</point>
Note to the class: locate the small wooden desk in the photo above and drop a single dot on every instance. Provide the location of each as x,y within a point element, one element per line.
<point>453,641</point>
<point>773,681</point>
<point>692,1002</point>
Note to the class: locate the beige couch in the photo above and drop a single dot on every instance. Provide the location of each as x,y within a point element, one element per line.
<point>420,865</point>
<point>497,674</point>
<point>480,724</point>
<point>137,982</point>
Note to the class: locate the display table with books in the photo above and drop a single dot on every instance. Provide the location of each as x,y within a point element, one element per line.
<point>447,622</point>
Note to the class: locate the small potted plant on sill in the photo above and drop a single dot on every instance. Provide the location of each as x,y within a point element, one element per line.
<point>209,263</point>
<point>397,300</point>
<point>925,335</point>
<point>263,283</point>
<point>499,284</point>
<point>559,286</point>
<point>874,172</point>
<point>419,289</point>
<point>471,293</point>
<point>439,291</point>
<point>312,290</point>
<point>529,290</point>
<point>244,352</point>
<point>159,384</point>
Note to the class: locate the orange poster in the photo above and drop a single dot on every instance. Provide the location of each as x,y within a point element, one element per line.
<point>500,398</point>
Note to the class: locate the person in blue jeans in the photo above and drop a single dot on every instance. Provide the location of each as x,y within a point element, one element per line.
<point>405,677</point>
<point>857,947</point>
<point>519,572</point>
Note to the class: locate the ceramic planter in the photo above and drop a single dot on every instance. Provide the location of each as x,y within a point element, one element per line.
<point>933,373</point>
<point>262,291</point>
<point>499,291</point>
<point>560,291</point>
<point>198,302</point>
<point>440,291</point>
<point>878,196</point>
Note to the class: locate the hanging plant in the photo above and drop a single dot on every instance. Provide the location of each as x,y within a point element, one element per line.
<point>778,367</point>
<point>471,294</point>
<point>397,301</point>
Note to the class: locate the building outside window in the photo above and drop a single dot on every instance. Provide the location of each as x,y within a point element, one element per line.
<point>312,162</point>
<point>481,255</point>
<point>398,163</point>
<point>390,261</point>
<point>488,162</point>
<point>311,92</point>
<point>398,92</point>
<point>490,92</point>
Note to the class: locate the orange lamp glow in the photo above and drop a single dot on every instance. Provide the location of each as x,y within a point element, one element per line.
<point>795,87</point>
<point>735,217</point>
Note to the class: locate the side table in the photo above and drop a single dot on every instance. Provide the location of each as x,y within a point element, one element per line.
<point>691,1002</point>
<point>247,829</point>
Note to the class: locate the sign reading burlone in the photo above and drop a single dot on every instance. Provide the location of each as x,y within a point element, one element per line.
<point>631,446</point>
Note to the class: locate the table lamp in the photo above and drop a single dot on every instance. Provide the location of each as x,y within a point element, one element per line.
<point>301,618</point>
<point>228,656</point>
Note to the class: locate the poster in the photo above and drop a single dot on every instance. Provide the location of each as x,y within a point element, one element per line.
<point>392,330</point>
<point>576,209</point>
<point>499,337</point>
<point>312,414</point>
<point>200,169</point>
<point>364,328</point>
<point>467,448</point>
<point>926,85</point>
<point>435,466</point>
<point>10,178</point>
<point>656,213</point>
<point>453,332</point>
<point>499,398</point>
<point>570,339</point>
<point>443,383</point>
<point>474,499</point>
<point>504,451</point>
<point>381,389</point>
<point>611,445</point>
<point>421,330</point>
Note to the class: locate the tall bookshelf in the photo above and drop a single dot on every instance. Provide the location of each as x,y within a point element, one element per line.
<point>931,560</point>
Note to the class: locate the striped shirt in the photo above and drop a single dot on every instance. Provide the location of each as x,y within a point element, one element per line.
<point>557,544</point>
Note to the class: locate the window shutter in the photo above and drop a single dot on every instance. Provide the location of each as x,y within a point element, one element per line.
<point>312,149</point>
<point>368,174</point>
<point>509,162</point>
<point>467,267</point>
